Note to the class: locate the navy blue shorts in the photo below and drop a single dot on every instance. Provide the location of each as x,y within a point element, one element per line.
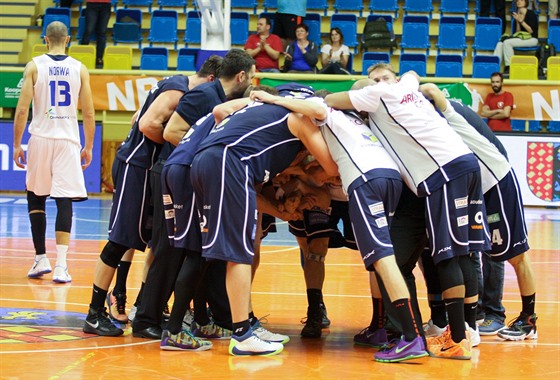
<point>227,205</point>
<point>506,219</point>
<point>371,206</point>
<point>130,223</point>
<point>181,215</point>
<point>456,218</point>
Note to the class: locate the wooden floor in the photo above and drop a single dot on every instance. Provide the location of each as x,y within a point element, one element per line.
<point>41,338</point>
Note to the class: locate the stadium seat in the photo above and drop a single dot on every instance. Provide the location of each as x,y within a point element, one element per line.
<point>388,19</point>
<point>154,58</point>
<point>418,6</point>
<point>416,62</point>
<point>350,64</point>
<point>348,5</point>
<point>349,26</point>
<point>318,5</point>
<point>203,55</point>
<point>485,65</point>
<point>173,3</point>
<point>117,58</point>
<point>553,68</point>
<point>239,27</point>
<point>554,33</point>
<point>84,54</point>
<point>245,4</point>
<point>384,6</point>
<point>370,58</point>
<point>535,126</point>
<point>313,21</point>
<point>270,4</point>
<point>56,14</point>
<point>526,125</point>
<point>454,6</point>
<point>554,126</point>
<point>452,34</point>
<point>192,32</point>
<point>518,125</point>
<point>82,27</point>
<point>163,27</point>
<point>524,67</point>
<point>138,3</point>
<point>186,59</point>
<point>487,33</point>
<point>39,49</point>
<point>449,66</point>
<point>127,26</point>
<point>416,33</point>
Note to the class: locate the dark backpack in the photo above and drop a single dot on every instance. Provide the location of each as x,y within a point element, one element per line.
<point>545,50</point>
<point>377,35</point>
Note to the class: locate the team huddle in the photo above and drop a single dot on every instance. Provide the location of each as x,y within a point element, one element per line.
<point>210,159</point>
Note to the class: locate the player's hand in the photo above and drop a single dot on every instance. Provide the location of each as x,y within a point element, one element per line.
<point>262,96</point>
<point>85,158</point>
<point>19,157</point>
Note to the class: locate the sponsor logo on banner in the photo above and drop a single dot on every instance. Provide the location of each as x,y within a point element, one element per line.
<point>543,170</point>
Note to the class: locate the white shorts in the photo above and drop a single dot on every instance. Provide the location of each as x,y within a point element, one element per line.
<point>54,168</point>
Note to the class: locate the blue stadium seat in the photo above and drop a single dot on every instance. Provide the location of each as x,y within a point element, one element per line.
<point>487,33</point>
<point>526,125</point>
<point>416,32</point>
<point>349,26</point>
<point>163,27</point>
<point>371,58</point>
<point>416,62</point>
<point>349,5</point>
<point>203,55</point>
<point>313,21</point>
<point>554,33</point>
<point>452,34</point>
<point>245,4</point>
<point>127,26</point>
<point>454,6</point>
<point>139,3</point>
<point>449,66</point>
<point>418,6</point>
<point>173,3</point>
<point>192,32</point>
<point>554,126</point>
<point>270,4</point>
<point>384,6</point>
<point>535,126</point>
<point>56,14</point>
<point>239,27</point>
<point>485,65</point>
<point>186,59</point>
<point>318,5</point>
<point>154,58</point>
<point>82,27</point>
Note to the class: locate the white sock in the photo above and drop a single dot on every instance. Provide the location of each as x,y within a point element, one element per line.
<point>61,251</point>
<point>40,257</point>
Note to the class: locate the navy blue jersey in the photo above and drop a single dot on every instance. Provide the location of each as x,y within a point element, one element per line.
<point>185,151</point>
<point>259,136</point>
<point>478,123</point>
<point>137,149</point>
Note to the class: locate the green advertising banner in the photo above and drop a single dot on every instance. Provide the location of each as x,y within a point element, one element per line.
<point>10,83</point>
<point>335,86</point>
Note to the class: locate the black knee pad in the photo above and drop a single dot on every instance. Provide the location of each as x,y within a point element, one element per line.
<point>64,215</point>
<point>450,273</point>
<point>469,275</point>
<point>112,254</point>
<point>35,202</point>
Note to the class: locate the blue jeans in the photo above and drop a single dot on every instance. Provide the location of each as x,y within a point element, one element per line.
<point>97,19</point>
<point>491,289</point>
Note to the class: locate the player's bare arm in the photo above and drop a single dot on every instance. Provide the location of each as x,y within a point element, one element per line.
<point>152,123</point>
<point>22,112</point>
<point>88,117</point>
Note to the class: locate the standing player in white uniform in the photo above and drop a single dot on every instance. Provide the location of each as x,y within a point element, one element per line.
<point>439,167</point>
<point>54,82</point>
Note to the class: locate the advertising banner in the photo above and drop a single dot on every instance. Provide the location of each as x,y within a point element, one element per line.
<point>12,178</point>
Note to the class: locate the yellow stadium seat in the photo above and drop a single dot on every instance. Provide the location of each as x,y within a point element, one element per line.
<point>83,53</point>
<point>553,68</point>
<point>524,67</point>
<point>39,49</point>
<point>117,58</point>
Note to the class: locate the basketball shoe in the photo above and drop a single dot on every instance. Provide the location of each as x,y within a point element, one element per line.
<point>522,327</point>
<point>183,341</point>
<point>39,268</point>
<point>98,322</point>
<point>402,350</point>
<point>373,338</point>
<point>444,347</point>
<point>210,331</point>
<point>432,330</point>
<point>250,344</point>
<point>61,275</point>
<point>269,336</point>
<point>116,305</point>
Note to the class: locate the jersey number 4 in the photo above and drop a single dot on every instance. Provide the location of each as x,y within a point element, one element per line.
<point>60,93</point>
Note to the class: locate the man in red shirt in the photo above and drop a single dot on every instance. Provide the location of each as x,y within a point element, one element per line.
<point>264,47</point>
<point>498,105</point>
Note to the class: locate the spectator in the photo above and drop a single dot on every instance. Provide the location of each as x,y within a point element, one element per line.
<point>289,15</point>
<point>499,10</point>
<point>524,33</point>
<point>301,55</point>
<point>498,105</point>
<point>98,13</point>
<point>264,47</point>
<point>335,56</point>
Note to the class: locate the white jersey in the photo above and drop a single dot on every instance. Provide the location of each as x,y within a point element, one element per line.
<point>355,149</point>
<point>493,165</point>
<point>55,100</point>
<point>427,150</point>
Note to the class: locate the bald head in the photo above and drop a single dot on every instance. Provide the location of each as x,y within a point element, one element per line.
<point>358,85</point>
<point>57,32</point>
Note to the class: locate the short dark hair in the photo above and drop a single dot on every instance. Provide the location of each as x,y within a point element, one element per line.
<point>210,66</point>
<point>302,25</point>
<point>235,61</point>
<point>267,19</point>
<point>497,74</point>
